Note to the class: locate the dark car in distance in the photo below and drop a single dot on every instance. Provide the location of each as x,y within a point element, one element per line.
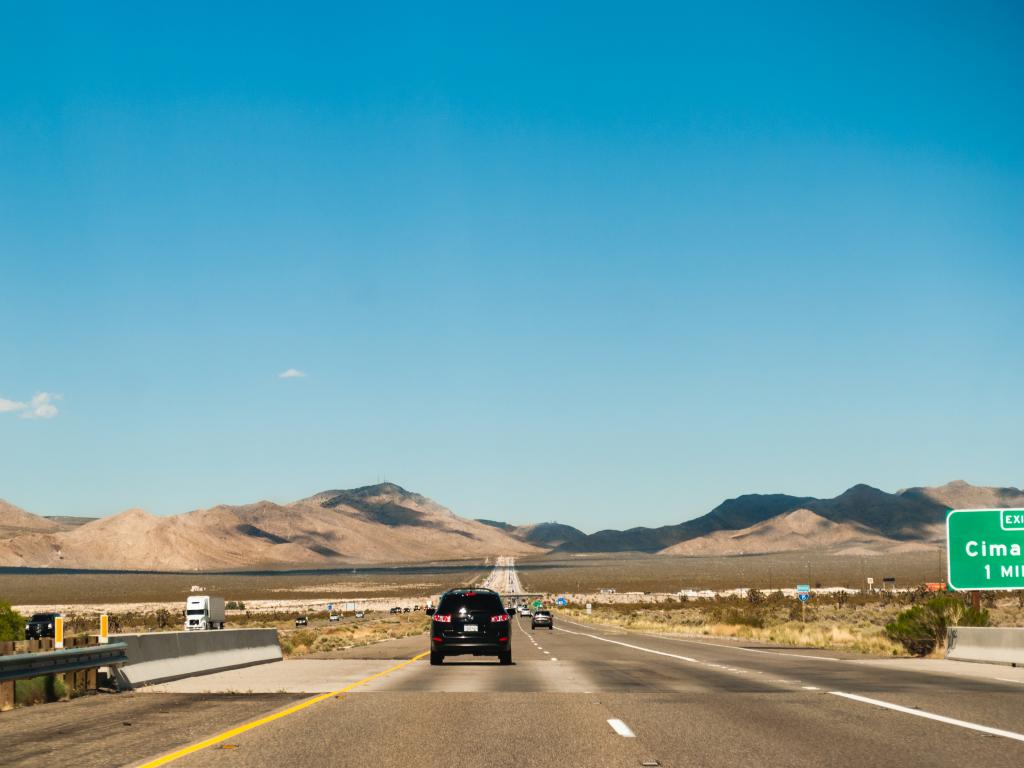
<point>40,625</point>
<point>470,621</point>
<point>542,619</point>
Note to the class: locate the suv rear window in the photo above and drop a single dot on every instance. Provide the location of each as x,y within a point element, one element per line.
<point>543,613</point>
<point>42,617</point>
<point>479,601</point>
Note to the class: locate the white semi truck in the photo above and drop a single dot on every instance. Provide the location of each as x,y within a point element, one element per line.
<point>204,612</point>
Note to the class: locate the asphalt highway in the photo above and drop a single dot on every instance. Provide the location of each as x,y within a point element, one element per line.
<point>504,578</point>
<point>591,696</point>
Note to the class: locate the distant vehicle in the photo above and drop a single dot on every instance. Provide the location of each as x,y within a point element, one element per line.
<point>334,617</point>
<point>406,609</point>
<point>542,619</point>
<point>40,625</point>
<point>470,621</point>
<point>360,614</point>
<point>525,611</point>
<point>301,621</point>
<point>396,609</point>
<point>204,612</point>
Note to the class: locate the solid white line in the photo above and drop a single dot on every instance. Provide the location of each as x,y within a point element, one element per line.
<point>931,716</point>
<point>810,687</point>
<point>669,636</point>
<point>621,728</point>
<point>627,645</point>
<point>1008,680</point>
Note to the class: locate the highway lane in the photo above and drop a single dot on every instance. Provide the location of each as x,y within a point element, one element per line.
<point>571,692</point>
<point>504,578</point>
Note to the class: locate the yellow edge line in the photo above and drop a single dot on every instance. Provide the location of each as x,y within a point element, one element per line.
<point>271,718</point>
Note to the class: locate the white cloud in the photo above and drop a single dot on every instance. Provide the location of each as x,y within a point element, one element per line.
<point>39,407</point>
<point>291,373</point>
<point>7,406</point>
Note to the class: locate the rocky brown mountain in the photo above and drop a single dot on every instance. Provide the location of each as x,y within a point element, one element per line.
<point>862,519</point>
<point>380,523</point>
<point>545,535</point>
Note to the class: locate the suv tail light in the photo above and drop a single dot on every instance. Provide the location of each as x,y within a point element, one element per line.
<point>443,618</point>
<point>500,617</point>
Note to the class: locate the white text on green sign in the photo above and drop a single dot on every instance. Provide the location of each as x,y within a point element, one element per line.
<point>985,548</point>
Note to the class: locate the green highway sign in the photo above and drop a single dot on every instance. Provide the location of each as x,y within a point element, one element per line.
<point>985,548</point>
<point>537,603</point>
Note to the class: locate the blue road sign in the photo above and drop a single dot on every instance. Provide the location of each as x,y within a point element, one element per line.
<point>561,601</point>
<point>330,606</point>
<point>804,597</point>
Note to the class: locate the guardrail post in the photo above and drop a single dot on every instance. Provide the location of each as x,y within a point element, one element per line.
<point>6,696</point>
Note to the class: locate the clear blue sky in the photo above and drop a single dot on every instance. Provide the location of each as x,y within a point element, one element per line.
<point>598,266</point>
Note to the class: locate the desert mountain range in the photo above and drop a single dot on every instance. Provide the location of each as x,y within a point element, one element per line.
<point>386,523</point>
<point>862,520</point>
<point>378,523</point>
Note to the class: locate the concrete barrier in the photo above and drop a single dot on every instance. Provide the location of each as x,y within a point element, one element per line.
<point>158,657</point>
<point>991,645</point>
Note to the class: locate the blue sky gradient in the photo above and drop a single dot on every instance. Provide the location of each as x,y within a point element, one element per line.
<point>579,264</point>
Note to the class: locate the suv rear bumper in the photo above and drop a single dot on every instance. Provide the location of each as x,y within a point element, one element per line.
<point>457,646</point>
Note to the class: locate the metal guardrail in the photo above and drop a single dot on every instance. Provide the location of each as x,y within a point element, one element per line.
<point>20,666</point>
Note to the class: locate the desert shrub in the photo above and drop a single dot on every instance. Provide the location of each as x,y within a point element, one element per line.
<point>745,618</point>
<point>755,596</point>
<point>38,690</point>
<point>801,612</point>
<point>922,628</point>
<point>12,623</point>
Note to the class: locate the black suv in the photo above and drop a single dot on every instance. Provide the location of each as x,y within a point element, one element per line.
<point>40,625</point>
<point>470,621</point>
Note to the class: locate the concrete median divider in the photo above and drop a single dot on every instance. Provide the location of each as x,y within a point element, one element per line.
<point>158,657</point>
<point>990,645</point>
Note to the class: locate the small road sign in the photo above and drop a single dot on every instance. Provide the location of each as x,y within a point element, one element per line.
<point>985,548</point>
<point>803,587</point>
<point>537,603</point>
<point>330,606</point>
<point>804,596</point>
<point>561,601</point>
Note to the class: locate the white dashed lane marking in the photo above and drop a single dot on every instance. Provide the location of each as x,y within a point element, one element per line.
<point>621,728</point>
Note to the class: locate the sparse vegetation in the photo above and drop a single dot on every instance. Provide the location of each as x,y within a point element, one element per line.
<point>12,623</point>
<point>921,629</point>
<point>652,573</point>
<point>38,690</point>
<point>852,622</point>
<point>351,583</point>
<point>301,642</point>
